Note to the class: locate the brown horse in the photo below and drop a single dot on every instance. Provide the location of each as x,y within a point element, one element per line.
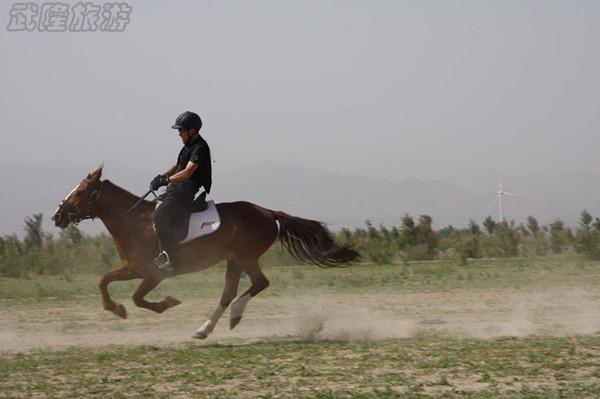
<point>246,232</point>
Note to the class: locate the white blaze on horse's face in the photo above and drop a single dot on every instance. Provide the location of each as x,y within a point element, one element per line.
<point>71,208</point>
<point>70,204</point>
<point>80,203</point>
<point>75,196</point>
<point>67,198</point>
<point>72,191</point>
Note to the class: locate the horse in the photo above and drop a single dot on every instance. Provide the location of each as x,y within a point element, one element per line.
<point>247,231</point>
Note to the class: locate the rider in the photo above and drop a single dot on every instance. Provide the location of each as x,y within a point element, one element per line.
<point>183,180</point>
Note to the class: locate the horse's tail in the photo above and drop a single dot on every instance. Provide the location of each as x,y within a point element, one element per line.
<point>309,241</point>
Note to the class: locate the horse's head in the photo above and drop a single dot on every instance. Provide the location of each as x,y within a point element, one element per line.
<point>81,202</point>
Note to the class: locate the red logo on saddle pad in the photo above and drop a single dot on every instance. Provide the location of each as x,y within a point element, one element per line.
<point>209,224</point>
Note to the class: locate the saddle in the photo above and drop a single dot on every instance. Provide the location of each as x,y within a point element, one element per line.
<point>199,204</point>
<point>204,219</point>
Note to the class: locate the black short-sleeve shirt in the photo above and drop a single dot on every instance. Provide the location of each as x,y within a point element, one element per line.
<point>197,152</point>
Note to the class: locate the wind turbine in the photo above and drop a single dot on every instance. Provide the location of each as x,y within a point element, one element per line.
<point>499,194</point>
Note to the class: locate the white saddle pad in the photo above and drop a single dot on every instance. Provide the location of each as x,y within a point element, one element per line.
<point>203,223</point>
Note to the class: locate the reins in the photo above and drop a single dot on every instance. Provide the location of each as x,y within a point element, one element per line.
<point>127,212</point>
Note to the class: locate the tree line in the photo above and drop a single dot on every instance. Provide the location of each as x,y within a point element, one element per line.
<point>73,251</point>
<point>417,240</point>
<point>40,252</point>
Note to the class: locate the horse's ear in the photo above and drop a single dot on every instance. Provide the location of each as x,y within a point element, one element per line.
<point>96,174</point>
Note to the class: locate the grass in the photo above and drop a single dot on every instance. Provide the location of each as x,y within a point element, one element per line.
<point>428,365</point>
<point>362,278</point>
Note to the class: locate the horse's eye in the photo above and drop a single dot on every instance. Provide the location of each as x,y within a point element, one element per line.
<point>78,194</point>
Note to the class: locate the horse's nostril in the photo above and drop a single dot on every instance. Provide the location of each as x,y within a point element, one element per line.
<point>56,218</point>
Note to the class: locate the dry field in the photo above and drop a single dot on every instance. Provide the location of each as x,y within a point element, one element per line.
<point>492,328</point>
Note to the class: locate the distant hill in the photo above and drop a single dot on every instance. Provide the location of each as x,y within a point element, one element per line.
<point>337,199</point>
<point>343,200</point>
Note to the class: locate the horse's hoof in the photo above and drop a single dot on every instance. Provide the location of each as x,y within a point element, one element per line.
<point>237,310</point>
<point>200,335</point>
<point>120,311</point>
<point>204,330</point>
<point>171,302</point>
<point>234,322</point>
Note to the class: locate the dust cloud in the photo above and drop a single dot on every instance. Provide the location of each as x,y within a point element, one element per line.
<point>351,324</point>
<point>470,313</point>
<point>550,313</point>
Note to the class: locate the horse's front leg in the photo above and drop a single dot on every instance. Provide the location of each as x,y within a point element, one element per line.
<point>119,274</point>
<point>145,287</point>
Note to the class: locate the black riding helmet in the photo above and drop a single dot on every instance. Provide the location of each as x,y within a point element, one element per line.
<point>187,120</point>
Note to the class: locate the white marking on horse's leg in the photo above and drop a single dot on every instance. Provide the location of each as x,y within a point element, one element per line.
<point>237,309</point>
<point>209,325</point>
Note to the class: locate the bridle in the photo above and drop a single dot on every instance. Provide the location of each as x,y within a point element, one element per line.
<point>76,215</point>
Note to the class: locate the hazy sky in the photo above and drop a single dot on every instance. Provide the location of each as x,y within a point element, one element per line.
<point>396,89</point>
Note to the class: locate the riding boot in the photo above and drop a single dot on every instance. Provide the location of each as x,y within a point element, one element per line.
<point>169,219</point>
<point>167,258</point>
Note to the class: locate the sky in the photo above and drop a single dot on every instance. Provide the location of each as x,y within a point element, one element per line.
<point>462,91</point>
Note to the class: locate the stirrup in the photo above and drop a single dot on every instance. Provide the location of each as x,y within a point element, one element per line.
<point>163,261</point>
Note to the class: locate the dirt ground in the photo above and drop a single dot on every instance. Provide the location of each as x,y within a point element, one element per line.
<point>484,314</point>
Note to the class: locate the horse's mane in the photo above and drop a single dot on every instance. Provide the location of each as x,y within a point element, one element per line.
<point>127,194</point>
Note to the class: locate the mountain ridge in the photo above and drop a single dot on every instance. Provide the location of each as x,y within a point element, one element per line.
<point>338,199</point>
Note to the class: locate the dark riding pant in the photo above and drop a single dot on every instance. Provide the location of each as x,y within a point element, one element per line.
<point>170,219</point>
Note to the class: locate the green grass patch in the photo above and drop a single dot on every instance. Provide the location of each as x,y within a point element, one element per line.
<point>430,365</point>
<point>420,276</point>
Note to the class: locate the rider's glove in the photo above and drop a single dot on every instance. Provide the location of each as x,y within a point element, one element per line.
<point>159,181</point>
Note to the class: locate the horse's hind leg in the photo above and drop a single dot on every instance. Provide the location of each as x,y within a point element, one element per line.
<point>120,274</point>
<point>232,280</point>
<point>259,283</point>
<point>145,287</point>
